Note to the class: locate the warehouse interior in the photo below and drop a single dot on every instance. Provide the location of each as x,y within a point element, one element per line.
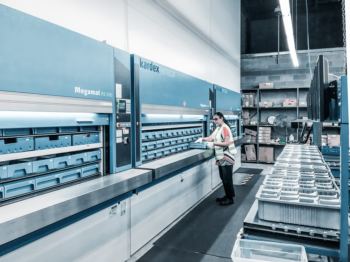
<point>174,130</point>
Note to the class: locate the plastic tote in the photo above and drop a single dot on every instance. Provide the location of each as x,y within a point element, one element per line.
<point>261,251</point>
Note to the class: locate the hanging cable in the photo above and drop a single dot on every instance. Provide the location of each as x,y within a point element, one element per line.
<point>308,41</point>
<point>344,37</point>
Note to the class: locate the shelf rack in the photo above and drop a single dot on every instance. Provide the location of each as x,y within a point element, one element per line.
<point>259,109</point>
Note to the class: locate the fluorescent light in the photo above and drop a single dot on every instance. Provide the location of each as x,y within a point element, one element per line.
<point>288,28</point>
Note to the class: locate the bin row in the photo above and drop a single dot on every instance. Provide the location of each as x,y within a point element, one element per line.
<point>169,141</point>
<point>23,144</point>
<point>171,132</point>
<point>164,151</point>
<point>46,130</point>
<point>16,188</point>
<point>21,168</point>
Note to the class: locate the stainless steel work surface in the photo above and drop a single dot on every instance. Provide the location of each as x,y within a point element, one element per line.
<point>170,164</point>
<point>21,218</point>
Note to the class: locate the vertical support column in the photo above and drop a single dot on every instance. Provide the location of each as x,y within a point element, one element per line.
<point>344,171</point>
<point>317,134</point>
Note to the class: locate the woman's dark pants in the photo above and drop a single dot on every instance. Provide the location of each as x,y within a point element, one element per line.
<point>226,177</point>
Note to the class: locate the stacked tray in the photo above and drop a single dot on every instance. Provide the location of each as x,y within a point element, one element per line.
<point>300,189</point>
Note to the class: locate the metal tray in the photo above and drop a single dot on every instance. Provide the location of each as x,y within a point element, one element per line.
<point>308,207</point>
<point>300,167</point>
<point>319,161</point>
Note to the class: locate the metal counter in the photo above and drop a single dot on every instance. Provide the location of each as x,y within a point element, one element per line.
<point>170,164</point>
<point>24,217</point>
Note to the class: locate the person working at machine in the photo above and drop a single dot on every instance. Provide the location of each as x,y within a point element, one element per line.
<point>222,142</point>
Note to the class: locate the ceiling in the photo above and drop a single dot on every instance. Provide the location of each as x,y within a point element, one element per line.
<point>264,9</point>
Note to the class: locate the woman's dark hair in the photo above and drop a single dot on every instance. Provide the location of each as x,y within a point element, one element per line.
<point>219,114</point>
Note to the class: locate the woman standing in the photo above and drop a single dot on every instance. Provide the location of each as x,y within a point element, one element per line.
<point>222,141</point>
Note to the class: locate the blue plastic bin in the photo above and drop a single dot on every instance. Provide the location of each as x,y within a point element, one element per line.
<point>146,136</point>
<point>47,180</point>
<point>84,139</point>
<point>178,132</point>
<point>168,133</point>
<point>180,147</point>
<point>173,149</point>
<point>1,191</point>
<point>185,146</point>
<point>160,143</point>
<point>90,170</point>
<point>89,128</point>
<point>149,145</point>
<point>19,187</point>
<point>167,142</point>
<point>155,134</point>
<point>19,169</point>
<point>78,159</point>
<point>68,129</point>
<point>42,143</point>
<point>44,165</point>
<point>173,141</point>
<point>180,139</point>
<point>187,131</point>
<point>45,130</point>
<point>70,175</point>
<point>167,150</point>
<point>186,139</point>
<point>171,132</point>
<point>152,154</point>
<point>62,161</point>
<point>144,155</point>
<point>16,145</point>
<point>3,170</point>
<point>159,152</point>
<point>93,155</point>
<point>16,132</point>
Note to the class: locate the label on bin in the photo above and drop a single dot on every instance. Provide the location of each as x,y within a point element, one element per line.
<point>113,211</point>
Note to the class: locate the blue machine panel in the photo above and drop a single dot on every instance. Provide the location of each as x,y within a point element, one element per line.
<point>226,99</point>
<point>42,143</point>
<point>47,181</point>
<point>19,187</point>
<point>16,145</point>
<point>84,139</point>
<point>161,85</point>
<point>46,55</point>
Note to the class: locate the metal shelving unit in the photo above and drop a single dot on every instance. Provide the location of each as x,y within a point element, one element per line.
<point>259,109</point>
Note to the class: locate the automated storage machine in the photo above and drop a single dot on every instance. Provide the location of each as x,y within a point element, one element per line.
<point>58,128</point>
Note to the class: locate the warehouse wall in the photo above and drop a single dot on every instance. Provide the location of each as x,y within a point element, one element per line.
<point>197,37</point>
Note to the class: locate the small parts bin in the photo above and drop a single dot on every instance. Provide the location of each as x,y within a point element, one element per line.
<point>45,130</point>
<point>16,145</point>
<point>41,166</point>
<point>90,170</point>
<point>17,132</point>
<point>70,175</point>
<point>93,155</point>
<point>19,187</point>
<point>47,180</point>
<point>52,142</point>
<point>15,170</point>
<point>85,139</point>
<point>149,145</point>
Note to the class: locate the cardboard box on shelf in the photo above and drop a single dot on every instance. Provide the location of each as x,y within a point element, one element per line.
<point>262,140</point>
<point>289,104</point>
<point>246,99</point>
<point>264,136</point>
<point>266,104</point>
<point>303,104</point>
<point>250,132</point>
<point>245,121</point>
<point>250,152</point>
<point>324,140</point>
<point>327,124</point>
<point>266,154</point>
<point>290,100</point>
<point>266,85</point>
<point>333,140</point>
<point>251,99</point>
<point>335,124</point>
<point>253,139</point>
<point>243,157</point>
<point>264,130</point>
<point>245,113</point>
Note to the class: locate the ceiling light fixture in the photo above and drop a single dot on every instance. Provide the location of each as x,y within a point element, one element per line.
<point>287,22</point>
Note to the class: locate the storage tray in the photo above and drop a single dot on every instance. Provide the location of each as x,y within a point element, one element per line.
<point>308,207</point>
<point>301,167</point>
<point>301,161</point>
<point>260,251</point>
<point>16,145</point>
<point>293,156</point>
<point>310,174</point>
<point>301,182</point>
<point>50,142</point>
<point>84,139</point>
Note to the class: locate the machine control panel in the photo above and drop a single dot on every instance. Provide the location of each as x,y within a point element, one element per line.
<point>123,125</point>
<point>123,106</point>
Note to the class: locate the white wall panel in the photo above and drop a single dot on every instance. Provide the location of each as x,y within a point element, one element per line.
<point>153,209</point>
<point>180,20</point>
<point>101,20</point>
<point>98,237</point>
<point>150,40</point>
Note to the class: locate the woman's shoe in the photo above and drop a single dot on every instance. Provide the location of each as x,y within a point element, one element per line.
<point>220,199</point>
<point>227,202</point>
